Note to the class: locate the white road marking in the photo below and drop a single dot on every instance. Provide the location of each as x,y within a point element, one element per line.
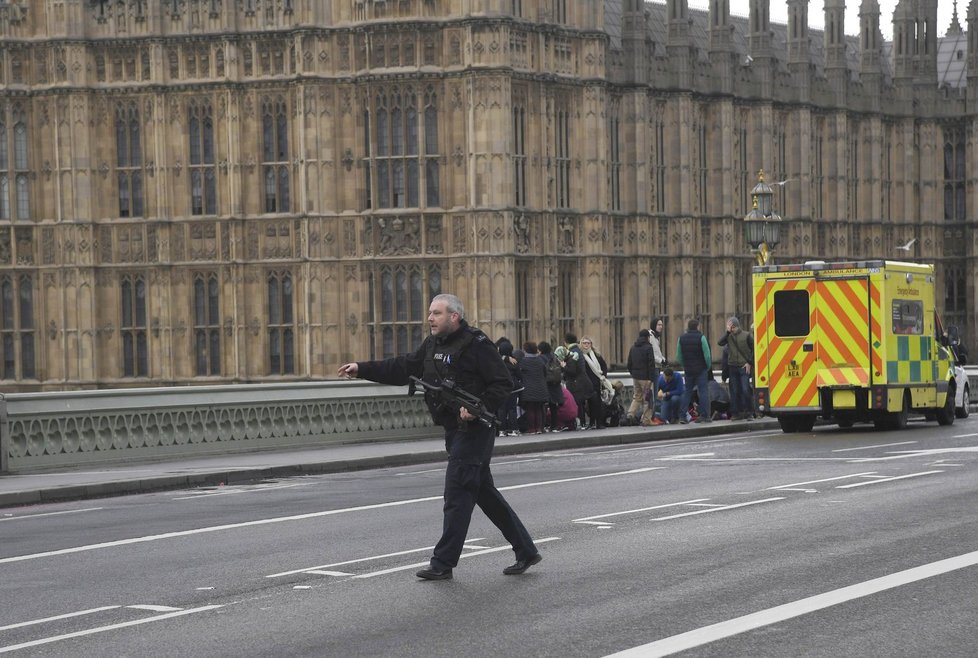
<point>154,608</point>
<point>234,491</point>
<point>320,572</point>
<point>58,617</point>
<point>35,516</point>
<point>602,524</point>
<point>362,559</point>
<point>103,629</point>
<point>841,477</point>
<point>717,509</point>
<point>418,565</point>
<point>679,457</point>
<point>904,454</point>
<point>297,517</point>
<point>584,519</point>
<point>890,479</point>
<point>881,445</point>
<point>494,464</point>
<point>963,436</point>
<point>707,634</point>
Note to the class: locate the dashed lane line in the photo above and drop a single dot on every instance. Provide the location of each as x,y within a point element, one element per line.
<point>718,509</point>
<point>300,517</point>
<point>69,615</point>
<point>585,519</point>
<point>103,629</point>
<point>789,487</point>
<point>880,445</point>
<point>886,479</point>
<point>37,516</point>
<point>406,567</point>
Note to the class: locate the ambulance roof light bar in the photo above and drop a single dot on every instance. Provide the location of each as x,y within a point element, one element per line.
<point>818,265</point>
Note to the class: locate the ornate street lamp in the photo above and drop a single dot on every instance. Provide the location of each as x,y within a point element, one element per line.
<point>762,226</point>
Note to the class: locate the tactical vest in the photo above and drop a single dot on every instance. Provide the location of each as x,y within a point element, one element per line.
<point>440,364</point>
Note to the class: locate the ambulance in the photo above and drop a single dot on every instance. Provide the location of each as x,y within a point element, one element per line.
<point>851,342</point>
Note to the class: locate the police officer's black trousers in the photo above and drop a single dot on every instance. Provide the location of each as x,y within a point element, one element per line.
<point>468,485</point>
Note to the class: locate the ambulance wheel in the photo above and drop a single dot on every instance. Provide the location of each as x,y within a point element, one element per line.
<point>898,419</point>
<point>946,415</point>
<point>964,411</point>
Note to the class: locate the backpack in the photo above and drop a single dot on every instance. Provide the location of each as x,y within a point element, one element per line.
<point>554,373</point>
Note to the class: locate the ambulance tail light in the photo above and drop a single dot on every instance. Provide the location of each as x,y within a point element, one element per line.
<point>761,395</point>
<point>879,397</point>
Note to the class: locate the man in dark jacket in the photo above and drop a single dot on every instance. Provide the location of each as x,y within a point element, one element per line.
<point>642,368</point>
<point>693,352</point>
<point>456,351</point>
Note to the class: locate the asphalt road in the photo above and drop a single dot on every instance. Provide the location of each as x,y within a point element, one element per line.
<point>832,543</point>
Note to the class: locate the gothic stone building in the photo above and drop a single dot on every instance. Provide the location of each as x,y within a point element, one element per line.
<point>203,191</point>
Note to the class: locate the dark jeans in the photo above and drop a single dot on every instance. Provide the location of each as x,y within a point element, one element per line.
<point>467,485</point>
<point>739,385</point>
<point>697,380</point>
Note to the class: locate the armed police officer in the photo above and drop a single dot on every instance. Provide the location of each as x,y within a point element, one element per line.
<point>456,352</point>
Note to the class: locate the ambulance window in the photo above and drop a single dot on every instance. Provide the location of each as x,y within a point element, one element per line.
<point>908,317</point>
<point>791,313</point>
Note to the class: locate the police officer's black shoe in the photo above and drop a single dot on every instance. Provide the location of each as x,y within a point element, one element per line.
<point>434,573</point>
<point>522,565</point>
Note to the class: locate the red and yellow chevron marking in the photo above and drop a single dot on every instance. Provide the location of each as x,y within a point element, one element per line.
<point>843,377</point>
<point>791,371</point>
<point>843,323</point>
<point>875,332</point>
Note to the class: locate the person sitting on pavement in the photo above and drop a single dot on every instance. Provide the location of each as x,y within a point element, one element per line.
<point>719,399</point>
<point>671,388</point>
<point>566,413</point>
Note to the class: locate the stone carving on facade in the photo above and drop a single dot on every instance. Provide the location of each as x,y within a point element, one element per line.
<point>433,236</point>
<point>399,236</point>
<point>566,230</point>
<point>521,231</point>
<point>459,235</point>
<point>351,323</point>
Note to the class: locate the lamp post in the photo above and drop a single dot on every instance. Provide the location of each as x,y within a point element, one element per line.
<point>762,226</point>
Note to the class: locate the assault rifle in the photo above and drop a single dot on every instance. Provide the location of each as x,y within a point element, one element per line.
<point>450,393</point>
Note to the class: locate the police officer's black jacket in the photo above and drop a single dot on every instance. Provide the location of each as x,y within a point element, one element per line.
<point>466,356</point>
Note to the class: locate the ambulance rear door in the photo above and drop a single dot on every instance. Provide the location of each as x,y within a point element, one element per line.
<point>844,342</point>
<point>785,338</point>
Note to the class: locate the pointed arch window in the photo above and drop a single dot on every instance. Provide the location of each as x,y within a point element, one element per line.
<point>129,161</point>
<point>404,160</point>
<point>132,329</point>
<point>955,199</point>
<point>275,156</point>
<point>15,202</point>
<point>203,174</point>
<point>17,327</point>
<point>281,323</point>
<point>399,296</point>
<point>207,325</point>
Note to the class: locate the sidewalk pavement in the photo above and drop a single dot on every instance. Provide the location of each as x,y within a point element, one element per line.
<point>96,481</point>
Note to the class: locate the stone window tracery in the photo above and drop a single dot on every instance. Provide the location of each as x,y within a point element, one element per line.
<point>203,174</point>
<point>400,295</point>
<point>129,160</point>
<point>275,156</point>
<point>397,161</point>
<point>17,326</point>
<point>15,175</point>
<point>132,328</point>
<point>281,323</point>
<point>207,325</point>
